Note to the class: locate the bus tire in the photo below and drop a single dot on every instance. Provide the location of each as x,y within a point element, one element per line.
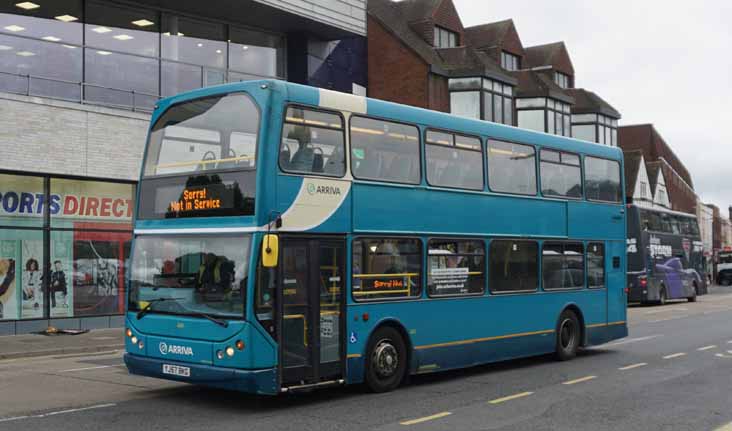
<point>386,360</point>
<point>696,292</point>
<point>662,296</point>
<point>569,335</point>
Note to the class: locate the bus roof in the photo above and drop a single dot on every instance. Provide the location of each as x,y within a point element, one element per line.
<point>328,99</point>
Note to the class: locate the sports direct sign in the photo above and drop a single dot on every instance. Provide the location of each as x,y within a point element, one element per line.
<point>99,201</point>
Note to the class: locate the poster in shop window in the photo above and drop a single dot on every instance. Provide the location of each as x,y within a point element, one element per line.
<point>31,279</point>
<point>8,281</point>
<point>60,277</point>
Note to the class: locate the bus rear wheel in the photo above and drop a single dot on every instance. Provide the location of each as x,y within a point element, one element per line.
<point>662,296</point>
<point>568,336</point>
<point>386,362</point>
<point>696,292</point>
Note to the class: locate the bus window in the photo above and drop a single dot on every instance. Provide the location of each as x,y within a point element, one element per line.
<point>212,133</point>
<point>595,265</point>
<point>456,267</point>
<point>386,268</point>
<point>511,168</point>
<point>560,174</point>
<point>513,266</point>
<point>385,151</point>
<point>454,161</point>
<point>562,265</point>
<point>602,180</point>
<point>312,143</point>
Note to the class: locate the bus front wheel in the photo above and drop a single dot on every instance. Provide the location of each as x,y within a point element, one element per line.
<point>386,362</point>
<point>568,336</point>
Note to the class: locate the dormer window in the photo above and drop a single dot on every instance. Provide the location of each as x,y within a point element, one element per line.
<point>562,79</point>
<point>509,61</point>
<point>445,38</point>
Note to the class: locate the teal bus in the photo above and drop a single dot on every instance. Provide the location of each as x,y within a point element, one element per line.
<point>289,238</point>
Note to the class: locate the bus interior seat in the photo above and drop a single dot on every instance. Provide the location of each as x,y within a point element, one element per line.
<point>335,164</point>
<point>285,156</point>
<point>318,162</point>
<point>303,159</point>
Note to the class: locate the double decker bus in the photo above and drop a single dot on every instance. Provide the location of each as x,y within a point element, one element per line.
<point>289,238</point>
<point>665,256</point>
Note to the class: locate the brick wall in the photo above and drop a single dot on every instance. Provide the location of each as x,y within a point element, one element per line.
<point>41,135</point>
<point>396,73</point>
<point>438,93</point>
<point>446,16</point>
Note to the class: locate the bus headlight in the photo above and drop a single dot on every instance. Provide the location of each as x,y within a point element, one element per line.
<point>220,354</point>
<point>140,345</point>
<point>230,351</point>
<point>133,339</point>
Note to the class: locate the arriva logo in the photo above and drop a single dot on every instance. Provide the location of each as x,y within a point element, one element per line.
<point>178,350</point>
<point>323,190</point>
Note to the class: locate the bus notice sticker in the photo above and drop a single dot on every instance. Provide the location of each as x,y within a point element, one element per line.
<point>450,279</point>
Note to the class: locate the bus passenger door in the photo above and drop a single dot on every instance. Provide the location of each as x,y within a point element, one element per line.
<point>617,300</point>
<point>310,292</point>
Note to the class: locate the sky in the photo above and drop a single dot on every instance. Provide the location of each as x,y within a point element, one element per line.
<point>668,63</point>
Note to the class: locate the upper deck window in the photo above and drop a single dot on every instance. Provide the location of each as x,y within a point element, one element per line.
<point>602,180</point>
<point>454,160</point>
<point>383,150</point>
<point>312,143</point>
<point>560,174</point>
<point>511,168</point>
<point>202,135</point>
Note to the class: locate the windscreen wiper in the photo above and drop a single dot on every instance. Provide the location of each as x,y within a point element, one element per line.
<point>215,320</point>
<point>148,307</point>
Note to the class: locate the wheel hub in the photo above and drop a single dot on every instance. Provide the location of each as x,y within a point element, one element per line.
<point>566,333</point>
<point>385,359</point>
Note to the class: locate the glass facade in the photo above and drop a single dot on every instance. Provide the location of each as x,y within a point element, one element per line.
<point>122,56</point>
<point>482,98</point>
<point>544,115</point>
<point>64,246</point>
<point>595,128</point>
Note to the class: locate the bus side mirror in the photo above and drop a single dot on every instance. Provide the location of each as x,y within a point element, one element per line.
<point>270,250</point>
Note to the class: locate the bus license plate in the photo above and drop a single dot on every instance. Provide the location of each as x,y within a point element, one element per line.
<point>176,370</point>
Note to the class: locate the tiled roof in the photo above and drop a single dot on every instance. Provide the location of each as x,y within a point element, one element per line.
<point>459,61</point>
<point>541,55</point>
<point>488,35</point>
<point>536,84</point>
<point>587,102</point>
<point>418,10</point>
<point>632,167</point>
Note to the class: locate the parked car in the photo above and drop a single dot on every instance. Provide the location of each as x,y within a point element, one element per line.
<point>724,277</point>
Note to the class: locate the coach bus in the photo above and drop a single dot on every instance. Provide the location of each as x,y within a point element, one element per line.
<point>665,256</point>
<point>289,238</point>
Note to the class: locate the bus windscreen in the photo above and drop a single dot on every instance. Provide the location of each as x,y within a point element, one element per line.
<point>201,159</point>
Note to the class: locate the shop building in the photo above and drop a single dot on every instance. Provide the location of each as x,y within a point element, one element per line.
<point>78,80</point>
<point>482,72</point>
<point>668,179</point>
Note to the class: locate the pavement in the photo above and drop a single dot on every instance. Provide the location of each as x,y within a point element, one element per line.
<point>673,372</point>
<point>32,345</point>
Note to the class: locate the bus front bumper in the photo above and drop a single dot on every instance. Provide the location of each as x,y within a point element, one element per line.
<point>251,381</point>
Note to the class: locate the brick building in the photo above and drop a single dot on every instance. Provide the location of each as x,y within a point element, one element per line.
<point>420,53</point>
<point>666,173</point>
